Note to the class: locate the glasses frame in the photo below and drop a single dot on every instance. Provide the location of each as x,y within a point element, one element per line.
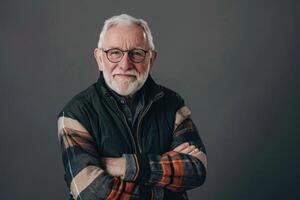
<point>123,52</point>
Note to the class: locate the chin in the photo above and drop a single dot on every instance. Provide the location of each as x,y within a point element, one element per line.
<point>126,86</point>
<point>127,90</point>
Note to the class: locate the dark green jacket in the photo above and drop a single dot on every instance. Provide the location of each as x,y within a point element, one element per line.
<point>92,126</point>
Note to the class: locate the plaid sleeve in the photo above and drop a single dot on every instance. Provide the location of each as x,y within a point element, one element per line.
<point>83,173</point>
<point>172,170</point>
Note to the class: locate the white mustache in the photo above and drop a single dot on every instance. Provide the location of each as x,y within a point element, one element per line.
<point>129,72</point>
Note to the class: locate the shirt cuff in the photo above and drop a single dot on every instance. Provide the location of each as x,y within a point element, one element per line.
<point>137,168</point>
<point>132,169</point>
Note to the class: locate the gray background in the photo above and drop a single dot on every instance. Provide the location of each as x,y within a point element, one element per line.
<point>236,63</point>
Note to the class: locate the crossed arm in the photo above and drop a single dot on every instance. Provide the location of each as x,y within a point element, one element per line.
<point>117,166</point>
<point>181,168</point>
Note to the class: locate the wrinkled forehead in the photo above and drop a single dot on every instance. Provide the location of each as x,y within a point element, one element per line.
<point>125,36</point>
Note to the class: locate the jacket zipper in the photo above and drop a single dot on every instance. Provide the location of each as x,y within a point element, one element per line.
<point>128,128</point>
<point>137,143</point>
<point>143,114</point>
<point>138,125</point>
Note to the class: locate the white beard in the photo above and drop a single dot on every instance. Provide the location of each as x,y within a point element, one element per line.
<point>125,86</point>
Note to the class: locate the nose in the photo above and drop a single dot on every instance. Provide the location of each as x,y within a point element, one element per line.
<point>125,63</point>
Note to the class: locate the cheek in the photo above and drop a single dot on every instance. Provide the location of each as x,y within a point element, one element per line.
<point>109,67</point>
<point>142,68</point>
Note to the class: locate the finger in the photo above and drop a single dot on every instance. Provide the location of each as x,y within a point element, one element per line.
<point>195,151</point>
<point>197,155</point>
<point>188,149</point>
<point>181,147</point>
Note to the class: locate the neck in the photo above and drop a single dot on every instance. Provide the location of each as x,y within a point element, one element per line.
<point>129,98</point>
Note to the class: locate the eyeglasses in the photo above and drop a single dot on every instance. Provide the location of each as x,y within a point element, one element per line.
<point>135,55</point>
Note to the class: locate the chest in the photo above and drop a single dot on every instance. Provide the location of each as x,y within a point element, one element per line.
<point>151,133</point>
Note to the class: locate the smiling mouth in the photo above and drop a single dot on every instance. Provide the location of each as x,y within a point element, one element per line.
<point>125,75</point>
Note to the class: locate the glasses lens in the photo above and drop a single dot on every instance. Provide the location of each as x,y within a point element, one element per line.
<point>114,55</point>
<point>137,55</point>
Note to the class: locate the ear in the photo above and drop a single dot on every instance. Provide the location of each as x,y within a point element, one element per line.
<point>98,57</point>
<point>153,57</point>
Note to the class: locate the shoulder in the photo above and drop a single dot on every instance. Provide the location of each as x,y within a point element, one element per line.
<point>79,102</point>
<point>171,96</point>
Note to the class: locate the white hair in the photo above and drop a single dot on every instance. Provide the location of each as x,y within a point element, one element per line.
<point>126,20</point>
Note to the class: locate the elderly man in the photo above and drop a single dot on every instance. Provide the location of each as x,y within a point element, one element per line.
<point>126,137</point>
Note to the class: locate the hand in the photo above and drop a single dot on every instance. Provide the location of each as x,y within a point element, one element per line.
<point>115,166</point>
<point>188,149</point>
